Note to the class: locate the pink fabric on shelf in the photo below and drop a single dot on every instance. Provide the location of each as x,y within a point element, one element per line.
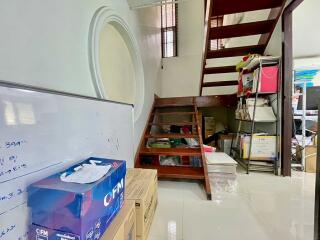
<point>269,79</point>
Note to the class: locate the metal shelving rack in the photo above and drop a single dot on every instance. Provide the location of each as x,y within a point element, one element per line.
<point>303,117</point>
<point>249,164</point>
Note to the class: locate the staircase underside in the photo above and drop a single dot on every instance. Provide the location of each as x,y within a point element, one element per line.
<point>262,28</point>
<point>148,156</point>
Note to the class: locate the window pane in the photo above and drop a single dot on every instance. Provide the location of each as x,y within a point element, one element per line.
<point>169,36</point>
<point>163,18</point>
<point>170,50</point>
<point>168,14</point>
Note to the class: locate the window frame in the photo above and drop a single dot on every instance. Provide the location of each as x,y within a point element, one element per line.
<point>165,29</point>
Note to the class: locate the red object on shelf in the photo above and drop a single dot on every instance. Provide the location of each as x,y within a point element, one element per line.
<point>269,79</point>
<point>240,85</point>
<point>207,148</point>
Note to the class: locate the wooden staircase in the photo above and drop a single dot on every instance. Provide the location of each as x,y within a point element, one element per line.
<point>265,28</point>
<point>149,157</point>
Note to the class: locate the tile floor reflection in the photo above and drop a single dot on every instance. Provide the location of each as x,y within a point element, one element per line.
<point>261,207</point>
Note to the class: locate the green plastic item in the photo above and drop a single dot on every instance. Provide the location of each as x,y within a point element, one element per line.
<point>175,142</point>
<point>160,145</point>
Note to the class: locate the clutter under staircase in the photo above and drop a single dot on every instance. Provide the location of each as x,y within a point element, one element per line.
<point>172,142</point>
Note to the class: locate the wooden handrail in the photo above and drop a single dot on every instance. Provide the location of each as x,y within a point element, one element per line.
<point>207,26</point>
<point>204,161</point>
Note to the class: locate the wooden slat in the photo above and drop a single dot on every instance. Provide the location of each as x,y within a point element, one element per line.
<point>220,84</point>
<point>207,101</point>
<point>174,113</point>
<point>172,123</point>
<point>142,142</point>
<point>204,162</point>
<point>207,26</point>
<point>178,172</point>
<point>241,30</point>
<point>236,51</point>
<point>222,7</point>
<point>171,151</point>
<point>171,135</point>
<point>174,102</point>
<point>217,101</point>
<point>216,70</point>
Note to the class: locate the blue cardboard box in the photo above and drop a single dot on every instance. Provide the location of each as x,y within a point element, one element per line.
<point>81,211</point>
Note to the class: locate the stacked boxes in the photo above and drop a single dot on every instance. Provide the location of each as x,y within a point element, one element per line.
<point>221,171</point>
<point>310,156</point>
<point>68,210</point>
<point>141,187</point>
<point>123,227</point>
<point>224,142</point>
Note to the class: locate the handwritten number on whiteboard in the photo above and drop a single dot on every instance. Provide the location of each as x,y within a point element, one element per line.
<point>6,230</point>
<point>13,169</point>
<point>10,195</point>
<point>14,144</point>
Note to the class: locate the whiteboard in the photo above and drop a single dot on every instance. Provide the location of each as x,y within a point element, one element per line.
<point>42,132</point>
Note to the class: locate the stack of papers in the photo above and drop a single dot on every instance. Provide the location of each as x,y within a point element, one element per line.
<point>221,172</point>
<point>220,162</point>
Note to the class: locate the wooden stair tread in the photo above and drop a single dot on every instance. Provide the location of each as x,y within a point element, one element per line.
<point>223,7</point>
<point>162,105</point>
<point>216,70</point>
<point>220,83</point>
<point>178,172</point>
<point>236,51</point>
<point>171,151</point>
<point>174,102</point>
<point>171,135</point>
<point>172,123</point>
<point>173,113</point>
<point>242,29</point>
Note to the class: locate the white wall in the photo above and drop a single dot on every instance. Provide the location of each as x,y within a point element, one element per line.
<point>180,75</point>
<point>45,43</point>
<point>116,66</point>
<point>274,47</point>
<point>306,34</point>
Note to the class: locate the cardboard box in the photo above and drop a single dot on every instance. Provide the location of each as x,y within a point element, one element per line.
<point>68,210</point>
<point>142,187</point>
<point>311,157</point>
<point>224,142</point>
<point>209,126</point>
<point>123,227</point>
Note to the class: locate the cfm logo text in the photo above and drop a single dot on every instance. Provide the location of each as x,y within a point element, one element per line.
<point>111,195</point>
<point>42,232</point>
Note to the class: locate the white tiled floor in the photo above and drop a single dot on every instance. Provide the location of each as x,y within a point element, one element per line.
<point>262,207</point>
